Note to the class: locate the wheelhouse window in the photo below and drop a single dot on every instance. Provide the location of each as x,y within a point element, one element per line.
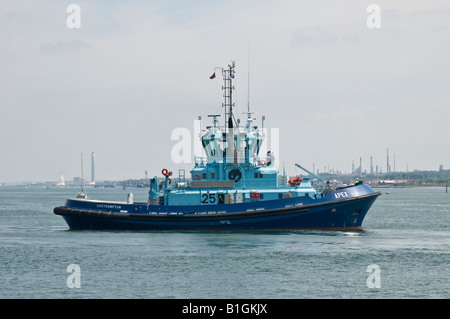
<point>254,144</point>
<point>210,146</point>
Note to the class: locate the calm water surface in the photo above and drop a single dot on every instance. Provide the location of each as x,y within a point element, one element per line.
<point>406,234</point>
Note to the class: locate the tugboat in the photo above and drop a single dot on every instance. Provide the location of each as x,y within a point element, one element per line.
<point>233,188</point>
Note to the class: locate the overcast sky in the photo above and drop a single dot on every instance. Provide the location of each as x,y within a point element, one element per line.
<point>136,70</point>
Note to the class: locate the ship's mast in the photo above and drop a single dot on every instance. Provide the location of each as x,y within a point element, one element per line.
<point>248,79</point>
<point>82,194</point>
<point>228,76</point>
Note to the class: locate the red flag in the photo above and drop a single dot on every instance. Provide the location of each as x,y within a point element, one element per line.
<point>213,76</point>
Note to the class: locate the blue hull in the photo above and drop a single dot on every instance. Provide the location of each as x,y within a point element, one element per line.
<point>341,209</point>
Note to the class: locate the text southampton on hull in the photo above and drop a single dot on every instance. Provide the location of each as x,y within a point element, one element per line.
<point>234,186</point>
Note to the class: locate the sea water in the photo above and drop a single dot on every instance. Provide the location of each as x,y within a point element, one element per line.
<point>403,251</point>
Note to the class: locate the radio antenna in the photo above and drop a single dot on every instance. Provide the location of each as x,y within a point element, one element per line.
<point>248,78</point>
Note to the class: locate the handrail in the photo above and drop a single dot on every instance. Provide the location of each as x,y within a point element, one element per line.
<point>320,180</point>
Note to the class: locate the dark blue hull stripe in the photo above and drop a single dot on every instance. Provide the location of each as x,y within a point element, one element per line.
<point>338,214</point>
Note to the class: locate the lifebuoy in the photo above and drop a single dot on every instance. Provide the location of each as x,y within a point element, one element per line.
<point>295,181</point>
<point>235,175</point>
<point>287,195</point>
<point>197,177</point>
<point>165,172</point>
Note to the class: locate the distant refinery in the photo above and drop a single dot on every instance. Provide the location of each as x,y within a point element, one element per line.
<point>373,170</point>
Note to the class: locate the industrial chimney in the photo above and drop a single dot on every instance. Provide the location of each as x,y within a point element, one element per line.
<point>93,167</point>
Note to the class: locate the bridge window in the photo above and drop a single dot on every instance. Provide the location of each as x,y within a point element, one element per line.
<point>210,147</point>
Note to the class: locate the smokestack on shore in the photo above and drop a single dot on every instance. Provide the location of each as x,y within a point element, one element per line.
<point>93,167</point>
